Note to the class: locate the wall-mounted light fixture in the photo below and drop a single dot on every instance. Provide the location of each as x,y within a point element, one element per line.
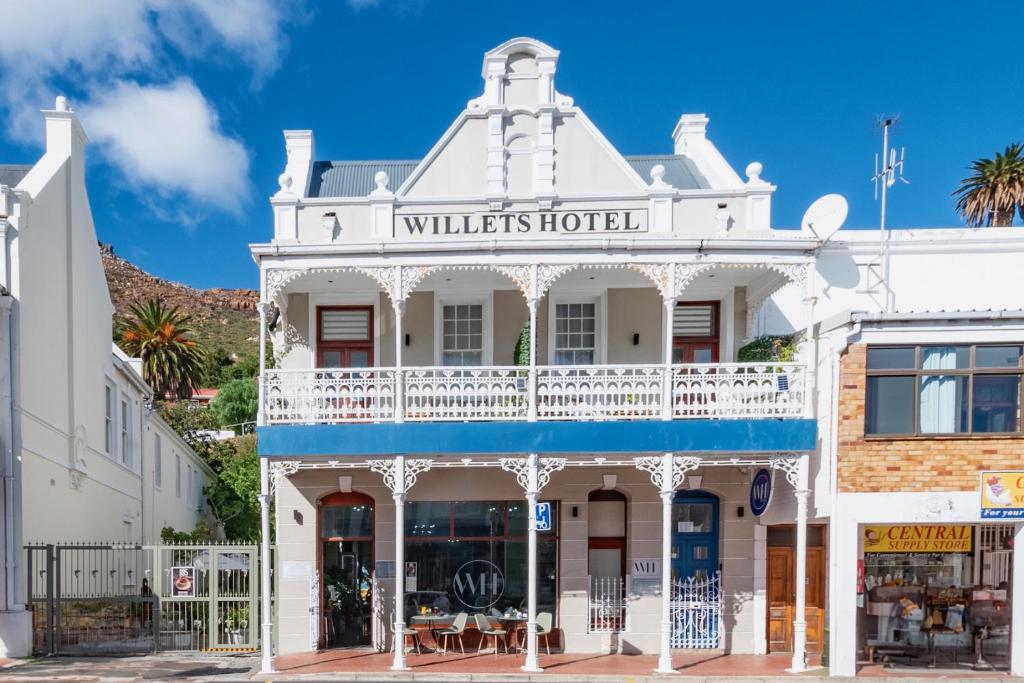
<point>636,339</point>
<point>408,339</point>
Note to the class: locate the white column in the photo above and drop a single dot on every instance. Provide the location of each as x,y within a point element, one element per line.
<point>810,346</point>
<point>532,301</point>
<point>399,306</point>
<point>399,495</point>
<point>266,614</point>
<point>532,663</point>
<point>800,618</point>
<point>667,493</point>
<point>1017,616</point>
<point>667,313</point>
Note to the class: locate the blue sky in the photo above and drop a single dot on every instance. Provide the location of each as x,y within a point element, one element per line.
<point>185,100</point>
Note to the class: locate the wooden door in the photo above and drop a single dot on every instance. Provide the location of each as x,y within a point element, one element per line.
<point>695,332</point>
<point>782,597</point>
<point>344,337</point>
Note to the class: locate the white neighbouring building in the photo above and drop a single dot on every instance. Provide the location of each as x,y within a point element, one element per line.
<point>398,428</point>
<point>921,343</point>
<point>83,456</point>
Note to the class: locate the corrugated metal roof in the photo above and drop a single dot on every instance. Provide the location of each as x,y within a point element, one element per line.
<point>11,174</point>
<point>355,178</point>
<point>680,172</point>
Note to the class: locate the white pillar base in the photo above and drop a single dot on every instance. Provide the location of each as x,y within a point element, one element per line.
<point>15,634</point>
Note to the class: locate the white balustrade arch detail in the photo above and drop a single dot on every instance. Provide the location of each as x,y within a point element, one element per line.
<point>790,466</point>
<point>681,464</point>
<point>387,470</point>
<point>521,468</point>
<point>279,470</point>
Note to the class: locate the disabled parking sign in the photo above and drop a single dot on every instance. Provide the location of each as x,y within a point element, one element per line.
<point>542,513</point>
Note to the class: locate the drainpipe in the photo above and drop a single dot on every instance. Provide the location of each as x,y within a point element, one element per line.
<point>7,418</point>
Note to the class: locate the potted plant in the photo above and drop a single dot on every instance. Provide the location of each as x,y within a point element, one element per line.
<point>236,623</point>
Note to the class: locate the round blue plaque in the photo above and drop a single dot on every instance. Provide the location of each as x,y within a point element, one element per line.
<point>760,492</point>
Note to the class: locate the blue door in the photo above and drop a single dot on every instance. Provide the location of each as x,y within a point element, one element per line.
<point>694,535</point>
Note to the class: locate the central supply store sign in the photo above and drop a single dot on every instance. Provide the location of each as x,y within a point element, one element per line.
<point>912,538</point>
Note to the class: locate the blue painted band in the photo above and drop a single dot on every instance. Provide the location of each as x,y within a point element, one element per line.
<point>654,436</point>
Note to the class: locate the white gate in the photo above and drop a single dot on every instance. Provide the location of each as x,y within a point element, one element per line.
<point>607,604</point>
<point>696,609</point>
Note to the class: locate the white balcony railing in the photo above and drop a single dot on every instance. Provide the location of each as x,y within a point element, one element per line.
<point>594,392</point>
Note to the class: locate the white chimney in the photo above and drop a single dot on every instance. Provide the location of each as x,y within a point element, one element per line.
<point>301,153</point>
<point>64,134</point>
<point>690,129</point>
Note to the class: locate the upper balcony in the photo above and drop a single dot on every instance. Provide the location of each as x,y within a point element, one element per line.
<point>415,343</point>
<point>574,392</point>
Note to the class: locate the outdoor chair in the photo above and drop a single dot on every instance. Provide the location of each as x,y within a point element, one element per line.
<point>483,625</point>
<point>457,628</point>
<point>544,626</point>
<point>406,635</point>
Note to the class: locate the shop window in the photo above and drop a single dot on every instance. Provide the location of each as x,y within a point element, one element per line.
<point>346,521</point>
<point>964,389</point>
<point>472,556</point>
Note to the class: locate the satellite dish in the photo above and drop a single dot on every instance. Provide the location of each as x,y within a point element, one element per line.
<point>825,216</point>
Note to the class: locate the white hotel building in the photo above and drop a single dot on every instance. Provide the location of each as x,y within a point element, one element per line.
<point>399,427</point>
<point>409,422</point>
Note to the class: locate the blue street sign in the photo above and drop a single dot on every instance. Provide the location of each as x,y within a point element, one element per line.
<point>542,512</point>
<point>760,492</point>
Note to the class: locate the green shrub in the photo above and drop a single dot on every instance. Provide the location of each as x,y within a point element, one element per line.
<point>769,349</point>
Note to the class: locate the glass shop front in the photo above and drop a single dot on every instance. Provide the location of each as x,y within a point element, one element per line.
<point>472,557</point>
<point>936,596</point>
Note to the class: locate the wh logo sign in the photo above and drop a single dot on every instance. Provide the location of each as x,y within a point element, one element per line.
<point>478,583</point>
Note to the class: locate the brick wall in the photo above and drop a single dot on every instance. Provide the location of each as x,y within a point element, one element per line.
<point>876,465</point>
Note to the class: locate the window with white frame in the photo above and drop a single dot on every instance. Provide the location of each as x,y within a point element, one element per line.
<point>108,433</point>
<point>575,333</point>
<point>126,433</point>
<point>177,476</point>
<point>462,334</point>
<point>158,461</point>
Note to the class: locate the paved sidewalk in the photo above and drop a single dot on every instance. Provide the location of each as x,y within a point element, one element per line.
<point>468,669</point>
<point>162,667</point>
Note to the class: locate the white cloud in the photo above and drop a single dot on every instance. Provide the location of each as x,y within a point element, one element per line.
<point>168,139</point>
<point>104,49</point>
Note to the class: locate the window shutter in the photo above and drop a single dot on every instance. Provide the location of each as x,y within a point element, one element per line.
<point>344,325</point>
<point>694,321</point>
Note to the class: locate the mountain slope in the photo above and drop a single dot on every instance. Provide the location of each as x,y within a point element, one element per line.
<point>226,317</point>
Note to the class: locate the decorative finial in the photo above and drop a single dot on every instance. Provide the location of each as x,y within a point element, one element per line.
<point>381,178</point>
<point>658,176</point>
<point>285,182</point>
<point>753,171</point>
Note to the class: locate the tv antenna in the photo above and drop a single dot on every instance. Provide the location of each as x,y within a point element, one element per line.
<point>888,169</point>
<point>891,169</point>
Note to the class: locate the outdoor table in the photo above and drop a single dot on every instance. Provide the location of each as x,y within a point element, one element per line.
<point>513,625</point>
<point>432,623</point>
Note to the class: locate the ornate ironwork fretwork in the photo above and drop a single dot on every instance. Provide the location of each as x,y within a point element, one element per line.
<point>681,464</point>
<point>388,470</point>
<point>521,468</point>
<point>280,469</point>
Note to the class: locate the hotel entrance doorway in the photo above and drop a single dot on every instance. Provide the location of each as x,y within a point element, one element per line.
<point>346,562</point>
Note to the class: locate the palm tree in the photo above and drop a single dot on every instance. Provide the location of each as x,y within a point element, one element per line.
<point>162,337</point>
<point>995,192</point>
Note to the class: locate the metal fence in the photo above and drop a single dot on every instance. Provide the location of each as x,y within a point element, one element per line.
<point>696,609</point>
<point>111,598</point>
<point>607,604</point>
